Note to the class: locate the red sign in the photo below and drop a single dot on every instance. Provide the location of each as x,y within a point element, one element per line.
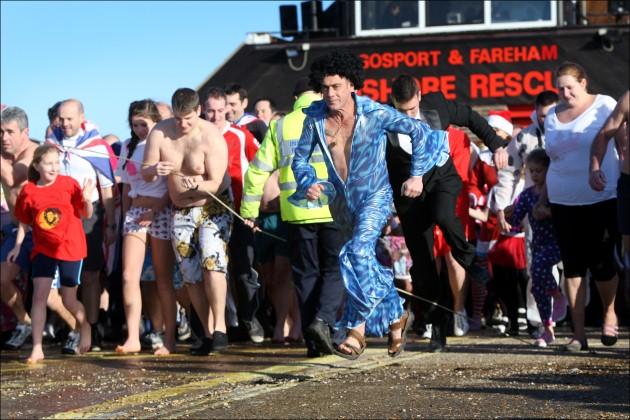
<point>517,70</point>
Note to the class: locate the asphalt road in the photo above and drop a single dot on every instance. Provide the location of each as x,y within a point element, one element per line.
<point>480,376</point>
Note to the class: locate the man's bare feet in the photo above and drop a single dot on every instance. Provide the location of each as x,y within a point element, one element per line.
<point>129,347</point>
<point>85,342</point>
<point>167,347</point>
<point>163,351</point>
<point>37,355</point>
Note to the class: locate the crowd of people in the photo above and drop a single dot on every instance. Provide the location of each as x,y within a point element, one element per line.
<point>317,226</point>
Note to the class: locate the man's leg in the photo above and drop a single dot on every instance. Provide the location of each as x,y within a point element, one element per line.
<point>213,237</point>
<point>93,264</point>
<point>330,240</point>
<point>241,248</point>
<point>417,226</point>
<point>305,268</point>
<point>91,294</point>
<point>443,201</point>
<point>199,301</point>
<point>11,295</point>
<point>305,265</point>
<point>279,286</point>
<point>371,302</point>
<point>215,286</point>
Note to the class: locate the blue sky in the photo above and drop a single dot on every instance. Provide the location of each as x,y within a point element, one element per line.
<point>108,54</point>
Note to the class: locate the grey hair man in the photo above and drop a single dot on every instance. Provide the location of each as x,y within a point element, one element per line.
<point>16,156</point>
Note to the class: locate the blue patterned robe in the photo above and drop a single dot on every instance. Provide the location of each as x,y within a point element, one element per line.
<point>363,202</point>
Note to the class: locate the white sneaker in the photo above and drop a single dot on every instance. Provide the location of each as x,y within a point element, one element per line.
<point>428,331</point>
<point>522,319</point>
<point>152,340</point>
<point>21,333</point>
<point>183,326</point>
<point>72,343</point>
<point>460,323</point>
<point>255,330</point>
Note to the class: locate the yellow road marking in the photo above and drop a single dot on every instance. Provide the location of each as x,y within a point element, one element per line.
<point>119,407</point>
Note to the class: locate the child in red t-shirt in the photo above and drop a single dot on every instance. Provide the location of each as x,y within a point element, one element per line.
<point>53,205</point>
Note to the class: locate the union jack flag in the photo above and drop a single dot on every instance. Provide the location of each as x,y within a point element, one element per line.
<point>89,146</point>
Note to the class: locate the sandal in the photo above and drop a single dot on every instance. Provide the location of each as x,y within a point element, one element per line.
<point>355,352</point>
<point>395,346</point>
<point>609,335</point>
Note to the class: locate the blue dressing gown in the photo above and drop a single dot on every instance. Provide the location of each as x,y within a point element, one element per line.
<point>363,202</point>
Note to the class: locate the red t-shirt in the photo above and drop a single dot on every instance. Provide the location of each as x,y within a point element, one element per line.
<point>53,213</point>
<point>242,148</point>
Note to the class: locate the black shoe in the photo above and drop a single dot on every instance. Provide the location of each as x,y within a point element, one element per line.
<point>311,350</point>
<point>219,341</point>
<point>319,334</point>
<point>438,338</point>
<point>313,353</point>
<point>204,349</point>
<point>97,337</point>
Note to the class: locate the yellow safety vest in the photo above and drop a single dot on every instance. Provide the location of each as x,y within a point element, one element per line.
<point>276,152</point>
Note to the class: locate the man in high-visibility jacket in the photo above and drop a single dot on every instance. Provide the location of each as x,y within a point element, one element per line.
<point>315,240</point>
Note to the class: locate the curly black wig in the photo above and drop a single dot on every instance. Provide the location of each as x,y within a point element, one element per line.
<point>341,63</point>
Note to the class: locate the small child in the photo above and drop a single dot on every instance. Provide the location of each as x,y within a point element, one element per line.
<point>392,252</point>
<point>545,250</point>
<point>53,204</point>
<point>481,178</point>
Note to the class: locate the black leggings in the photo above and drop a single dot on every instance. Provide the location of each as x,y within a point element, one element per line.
<point>587,236</point>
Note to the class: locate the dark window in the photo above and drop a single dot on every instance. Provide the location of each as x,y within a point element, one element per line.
<point>389,14</point>
<point>520,11</point>
<point>454,12</point>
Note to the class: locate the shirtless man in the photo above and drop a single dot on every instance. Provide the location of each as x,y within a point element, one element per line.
<point>617,125</point>
<point>194,155</point>
<point>17,154</point>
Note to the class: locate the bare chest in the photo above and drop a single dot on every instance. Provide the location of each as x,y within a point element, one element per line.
<point>187,155</point>
<point>339,140</point>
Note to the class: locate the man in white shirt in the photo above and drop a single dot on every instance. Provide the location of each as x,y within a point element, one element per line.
<point>72,131</point>
<point>264,109</point>
<point>236,105</point>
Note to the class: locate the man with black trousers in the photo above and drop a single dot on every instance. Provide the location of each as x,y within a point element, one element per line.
<point>436,204</point>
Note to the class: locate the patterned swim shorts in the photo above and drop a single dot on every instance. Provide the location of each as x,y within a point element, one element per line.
<point>160,228</point>
<point>200,236</point>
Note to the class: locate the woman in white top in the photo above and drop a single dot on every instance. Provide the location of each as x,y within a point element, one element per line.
<point>147,211</point>
<point>585,220</point>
